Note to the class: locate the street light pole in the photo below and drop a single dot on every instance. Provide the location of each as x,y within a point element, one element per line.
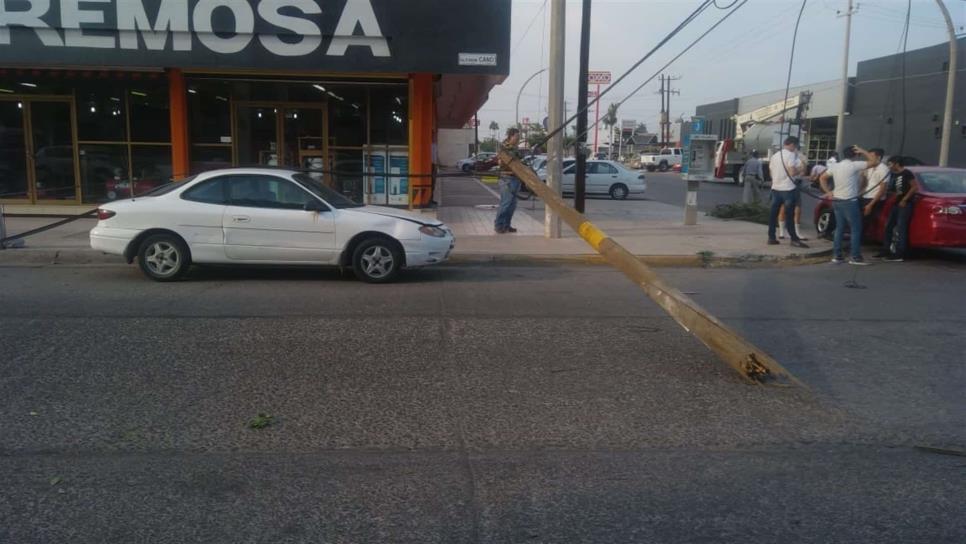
<point>950,88</point>
<point>516,116</point>
<point>840,127</point>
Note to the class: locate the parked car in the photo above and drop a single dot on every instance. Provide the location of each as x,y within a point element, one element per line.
<point>265,216</point>
<point>468,164</point>
<point>487,164</point>
<point>663,160</point>
<point>603,178</point>
<point>938,215</point>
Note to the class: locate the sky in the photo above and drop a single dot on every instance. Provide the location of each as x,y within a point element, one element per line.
<point>747,54</point>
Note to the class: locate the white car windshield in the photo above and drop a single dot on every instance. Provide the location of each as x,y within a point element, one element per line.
<point>332,198</point>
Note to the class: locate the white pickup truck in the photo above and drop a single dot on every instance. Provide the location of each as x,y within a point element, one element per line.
<point>663,161</point>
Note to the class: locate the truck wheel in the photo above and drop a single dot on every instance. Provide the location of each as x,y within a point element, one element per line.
<point>663,166</point>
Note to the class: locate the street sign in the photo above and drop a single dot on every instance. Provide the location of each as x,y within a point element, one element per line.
<point>628,124</point>
<point>598,78</point>
<point>591,94</point>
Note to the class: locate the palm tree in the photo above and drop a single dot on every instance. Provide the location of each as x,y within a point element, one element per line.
<point>609,121</point>
<point>495,127</point>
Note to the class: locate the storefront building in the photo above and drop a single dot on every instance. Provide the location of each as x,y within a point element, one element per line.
<point>100,99</point>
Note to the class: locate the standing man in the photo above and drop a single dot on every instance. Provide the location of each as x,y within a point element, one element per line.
<point>752,174</point>
<point>783,166</point>
<point>509,184</point>
<point>877,177</point>
<point>905,185</point>
<point>845,201</point>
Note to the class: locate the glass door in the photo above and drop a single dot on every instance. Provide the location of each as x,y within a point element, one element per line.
<point>52,152</point>
<point>13,152</point>
<point>257,135</point>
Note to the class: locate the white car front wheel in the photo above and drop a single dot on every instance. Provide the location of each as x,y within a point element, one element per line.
<point>377,260</point>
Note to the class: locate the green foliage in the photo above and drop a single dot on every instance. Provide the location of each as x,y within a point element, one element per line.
<point>754,212</point>
<point>489,144</point>
<point>260,421</point>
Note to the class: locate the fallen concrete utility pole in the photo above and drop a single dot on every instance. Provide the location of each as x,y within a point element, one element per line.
<point>753,364</point>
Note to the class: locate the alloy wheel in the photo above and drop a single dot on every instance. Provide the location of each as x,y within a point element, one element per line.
<point>377,262</point>
<point>162,258</point>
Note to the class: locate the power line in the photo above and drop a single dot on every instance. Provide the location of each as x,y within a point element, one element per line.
<point>704,5</point>
<point>686,49</point>
<point>529,26</point>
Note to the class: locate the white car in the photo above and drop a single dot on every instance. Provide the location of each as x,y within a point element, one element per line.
<point>603,178</point>
<point>265,216</point>
<point>468,164</point>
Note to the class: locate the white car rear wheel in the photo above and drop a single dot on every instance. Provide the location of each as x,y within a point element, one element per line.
<point>163,257</point>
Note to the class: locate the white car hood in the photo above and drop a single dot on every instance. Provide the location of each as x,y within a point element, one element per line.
<point>396,213</point>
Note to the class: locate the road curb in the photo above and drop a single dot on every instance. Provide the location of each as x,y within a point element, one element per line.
<point>658,261</point>
<point>67,256</point>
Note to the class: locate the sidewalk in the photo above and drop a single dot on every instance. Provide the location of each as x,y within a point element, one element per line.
<point>646,228</point>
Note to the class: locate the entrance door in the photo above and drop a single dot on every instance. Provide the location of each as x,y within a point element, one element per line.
<point>38,160</point>
<point>280,134</point>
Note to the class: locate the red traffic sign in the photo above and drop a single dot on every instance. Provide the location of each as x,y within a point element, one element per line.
<point>598,78</point>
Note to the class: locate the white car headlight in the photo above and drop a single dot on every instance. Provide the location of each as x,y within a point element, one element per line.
<point>430,230</point>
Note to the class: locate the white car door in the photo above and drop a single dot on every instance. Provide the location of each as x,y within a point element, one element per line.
<point>266,221</point>
<point>200,216</point>
<point>600,176</point>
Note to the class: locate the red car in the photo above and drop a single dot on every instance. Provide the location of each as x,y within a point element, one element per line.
<point>938,216</point>
<point>486,165</point>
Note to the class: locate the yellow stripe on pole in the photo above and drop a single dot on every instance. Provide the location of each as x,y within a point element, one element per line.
<point>591,234</point>
<point>750,361</point>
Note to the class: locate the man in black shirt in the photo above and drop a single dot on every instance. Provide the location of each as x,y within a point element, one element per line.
<point>905,186</point>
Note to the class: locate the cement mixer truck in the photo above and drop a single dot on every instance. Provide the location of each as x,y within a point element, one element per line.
<point>762,130</point>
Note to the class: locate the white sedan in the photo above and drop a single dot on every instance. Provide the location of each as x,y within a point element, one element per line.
<point>265,216</point>
<point>603,178</point>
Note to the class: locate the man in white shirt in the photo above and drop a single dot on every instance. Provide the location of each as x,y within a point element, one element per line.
<point>877,178</point>
<point>845,197</point>
<point>783,166</point>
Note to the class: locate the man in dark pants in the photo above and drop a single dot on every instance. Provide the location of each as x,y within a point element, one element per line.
<point>905,186</point>
<point>784,166</point>
<point>509,184</point>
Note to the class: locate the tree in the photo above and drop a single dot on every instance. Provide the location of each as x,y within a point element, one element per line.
<point>495,127</point>
<point>490,145</point>
<point>609,120</point>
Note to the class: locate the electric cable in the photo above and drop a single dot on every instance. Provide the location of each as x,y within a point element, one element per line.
<point>529,26</point>
<point>679,55</point>
<point>704,5</point>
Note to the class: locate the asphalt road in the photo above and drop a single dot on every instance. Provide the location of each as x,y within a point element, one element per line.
<point>477,404</point>
<point>671,189</point>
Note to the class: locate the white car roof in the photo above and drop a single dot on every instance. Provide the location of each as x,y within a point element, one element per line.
<point>252,170</point>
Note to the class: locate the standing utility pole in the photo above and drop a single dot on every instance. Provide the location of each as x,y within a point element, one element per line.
<point>555,112</point>
<point>950,88</point>
<point>580,173</point>
<point>839,129</point>
<point>476,131</point>
<point>666,93</point>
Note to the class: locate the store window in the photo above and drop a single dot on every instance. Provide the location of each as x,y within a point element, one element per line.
<point>389,122</point>
<point>347,116</point>
<point>101,112</point>
<point>104,172</point>
<point>150,118</point>
<point>124,134</point>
